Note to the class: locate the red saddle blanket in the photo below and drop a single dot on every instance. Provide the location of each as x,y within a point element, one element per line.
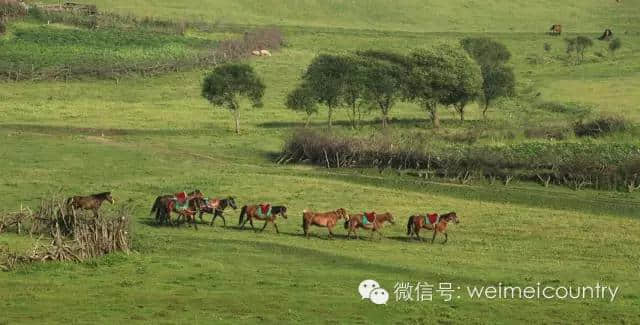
<point>181,197</point>
<point>265,208</point>
<point>432,218</point>
<point>371,216</point>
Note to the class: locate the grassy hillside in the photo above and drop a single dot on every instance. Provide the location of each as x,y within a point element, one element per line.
<point>405,15</point>
<point>142,137</point>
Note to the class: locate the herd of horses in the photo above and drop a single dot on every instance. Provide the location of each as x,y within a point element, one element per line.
<point>187,205</point>
<point>556,30</point>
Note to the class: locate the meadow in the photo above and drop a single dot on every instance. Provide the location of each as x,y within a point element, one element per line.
<point>141,137</point>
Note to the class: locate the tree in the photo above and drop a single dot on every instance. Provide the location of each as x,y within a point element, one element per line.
<point>497,81</point>
<point>444,75</point>
<point>615,45</point>
<point>302,99</point>
<point>227,84</point>
<point>326,76</point>
<point>353,91</point>
<point>579,46</point>
<point>384,86</point>
<point>486,51</point>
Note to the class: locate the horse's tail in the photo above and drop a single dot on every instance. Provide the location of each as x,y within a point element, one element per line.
<point>156,206</point>
<point>242,214</point>
<point>410,225</point>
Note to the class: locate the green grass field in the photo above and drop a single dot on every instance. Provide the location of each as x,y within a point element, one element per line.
<point>147,136</point>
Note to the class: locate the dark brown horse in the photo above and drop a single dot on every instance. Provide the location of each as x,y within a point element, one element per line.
<point>322,219</point>
<point>431,222</point>
<point>165,204</point>
<point>264,212</point>
<point>91,202</point>
<point>215,207</point>
<point>375,225</point>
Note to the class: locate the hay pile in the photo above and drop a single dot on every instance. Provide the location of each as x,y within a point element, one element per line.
<point>70,235</point>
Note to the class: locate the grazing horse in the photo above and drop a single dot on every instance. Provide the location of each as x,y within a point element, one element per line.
<point>431,222</point>
<point>556,29</point>
<point>91,202</point>
<point>322,219</point>
<point>264,212</point>
<point>364,220</point>
<point>606,35</point>
<point>213,206</point>
<point>165,204</point>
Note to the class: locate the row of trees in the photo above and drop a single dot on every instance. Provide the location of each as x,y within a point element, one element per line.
<point>443,76</point>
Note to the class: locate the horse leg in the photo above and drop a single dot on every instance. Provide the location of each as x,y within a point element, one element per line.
<point>276,225</point>
<point>224,222</point>
<point>446,237</point>
<point>200,216</point>
<point>435,232</point>
<point>193,220</point>
<point>215,214</point>
<point>95,213</point>
<point>265,226</point>
<point>251,223</point>
<point>330,232</point>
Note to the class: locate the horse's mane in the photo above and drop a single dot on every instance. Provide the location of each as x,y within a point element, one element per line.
<point>103,194</point>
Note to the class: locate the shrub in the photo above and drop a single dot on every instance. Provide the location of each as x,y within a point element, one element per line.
<point>547,47</point>
<point>600,127</point>
<point>11,8</point>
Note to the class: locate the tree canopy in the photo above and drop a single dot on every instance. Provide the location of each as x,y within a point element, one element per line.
<point>227,84</point>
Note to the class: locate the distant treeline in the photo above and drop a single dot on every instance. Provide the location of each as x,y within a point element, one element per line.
<point>577,165</point>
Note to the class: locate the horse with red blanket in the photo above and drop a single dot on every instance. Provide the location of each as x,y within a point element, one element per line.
<point>431,221</point>
<point>265,212</point>
<point>178,203</point>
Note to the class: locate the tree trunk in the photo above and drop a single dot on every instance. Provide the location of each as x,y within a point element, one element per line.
<point>330,115</point>
<point>384,120</point>
<point>461,111</point>
<point>306,122</point>
<point>433,111</point>
<point>484,111</point>
<point>236,116</point>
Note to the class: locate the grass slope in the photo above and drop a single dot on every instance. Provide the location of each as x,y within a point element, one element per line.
<point>405,15</point>
<point>147,136</point>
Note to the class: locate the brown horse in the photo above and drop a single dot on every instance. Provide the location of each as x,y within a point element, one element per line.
<point>91,202</point>
<point>215,207</point>
<point>556,29</point>
<point>436,223</point>
<point>264,212</point>
<point>358,221</point>
<point>322,219</point>
<point>165,204</point>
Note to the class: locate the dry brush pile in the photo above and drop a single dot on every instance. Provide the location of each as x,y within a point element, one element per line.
<point>69,235</point>
<point>577,165</point>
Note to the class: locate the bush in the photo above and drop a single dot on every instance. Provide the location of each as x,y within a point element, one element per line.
<point>11,8</point>
<point>564,108</point>
<point>547,47</point>
<point>600,127</point>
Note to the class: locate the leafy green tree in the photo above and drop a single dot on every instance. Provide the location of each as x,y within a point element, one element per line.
<point>497,81</point>
<point>578,45</point>
<point>615,45</point>
<point>384,86</point>
<point>227,84</point>
<point>302,99</point>
<point>325,76</point>
<point>486,51</point>
<point>444,75</point>
<point>353,92</point>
